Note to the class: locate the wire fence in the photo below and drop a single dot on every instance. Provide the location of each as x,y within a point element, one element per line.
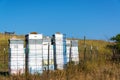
<point>93,65</point>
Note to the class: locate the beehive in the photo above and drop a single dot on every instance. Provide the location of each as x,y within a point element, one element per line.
<point>16,56</point>
<point>74,51</point>
<point>48,53</point>
<point>34,53</point>
<point>59,45</point>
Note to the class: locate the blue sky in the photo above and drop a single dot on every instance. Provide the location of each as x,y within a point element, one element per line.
<point>95,19</point>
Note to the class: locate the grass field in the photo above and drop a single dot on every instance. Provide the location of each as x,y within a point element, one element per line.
<point>96,65</point>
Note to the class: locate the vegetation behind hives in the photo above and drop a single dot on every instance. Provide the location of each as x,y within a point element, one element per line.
<point>4,50</point>
<point>91,70</point>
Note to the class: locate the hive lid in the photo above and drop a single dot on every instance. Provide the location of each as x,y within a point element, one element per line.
<point>33,33</point>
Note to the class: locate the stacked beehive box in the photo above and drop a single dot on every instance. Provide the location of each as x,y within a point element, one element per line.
<point>41,53</point>
<point>74,51</point>
<point>68,48</point>
<point>16,56</point>
<point>48,54</point>
<point>34,53</point>
<point>60,58</point>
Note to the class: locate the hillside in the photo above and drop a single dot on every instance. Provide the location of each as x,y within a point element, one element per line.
<point>95,63</point>
<point>4,50</point>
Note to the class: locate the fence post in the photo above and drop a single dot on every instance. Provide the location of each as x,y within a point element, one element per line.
<point>97,53</point>
<point>48,60</point>
<point>91,52</point>
<point>4,62</point>
<point>84,48</point>
<point>70,59</point>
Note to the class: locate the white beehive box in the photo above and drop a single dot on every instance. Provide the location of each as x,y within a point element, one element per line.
<point>75,53</point>
<point>16,56</point>
<point>46,42</point>
<point>68,44</point>
<point>72,49</point>
<point>59,50</point>
<point>34,47</point>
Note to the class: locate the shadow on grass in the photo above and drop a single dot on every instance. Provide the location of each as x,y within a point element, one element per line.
<point>2,73</point>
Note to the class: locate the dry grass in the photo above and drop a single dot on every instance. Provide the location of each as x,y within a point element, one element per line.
<point>96,67</point>
<point>87,71</point>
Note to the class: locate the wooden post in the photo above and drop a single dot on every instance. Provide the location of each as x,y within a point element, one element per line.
<point>48,60</point>
<point>97,53</point>
<point>84,48</point>
<point>4,62</point>
<point>70,58</point>
<point>91,52</point>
